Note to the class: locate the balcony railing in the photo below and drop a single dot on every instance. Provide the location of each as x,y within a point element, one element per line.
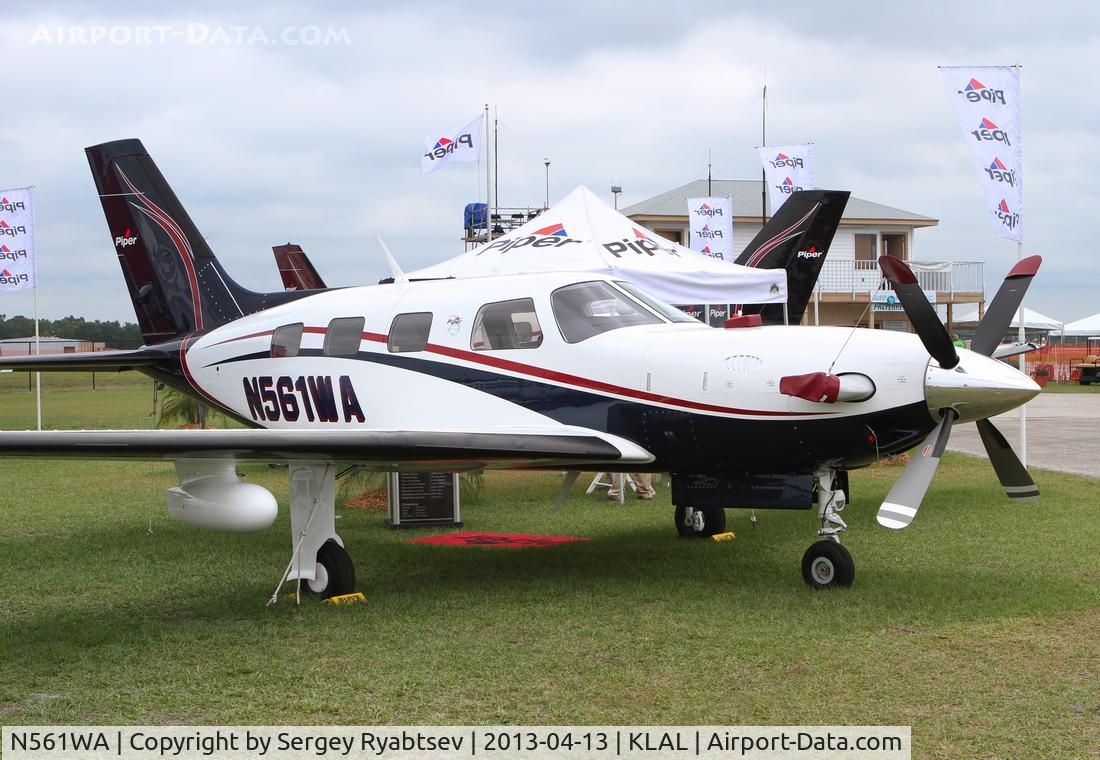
<point>943,277</point>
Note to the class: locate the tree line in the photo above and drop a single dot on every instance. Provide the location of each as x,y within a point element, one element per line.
<point>114,334</point>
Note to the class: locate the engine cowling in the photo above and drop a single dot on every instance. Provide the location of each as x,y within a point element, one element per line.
<point>211,495</point>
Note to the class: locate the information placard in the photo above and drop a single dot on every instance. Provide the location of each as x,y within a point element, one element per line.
<point>422,498</point>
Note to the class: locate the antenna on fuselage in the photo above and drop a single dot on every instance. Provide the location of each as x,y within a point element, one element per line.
<point>395,270</point>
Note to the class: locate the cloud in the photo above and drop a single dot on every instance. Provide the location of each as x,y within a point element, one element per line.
<point>319,144</point>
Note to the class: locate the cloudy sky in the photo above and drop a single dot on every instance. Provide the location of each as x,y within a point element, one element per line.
<point>269,134</point>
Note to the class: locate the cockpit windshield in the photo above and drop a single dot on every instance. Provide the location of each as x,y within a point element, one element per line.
<point>587,309</point>
<point>669,312</point>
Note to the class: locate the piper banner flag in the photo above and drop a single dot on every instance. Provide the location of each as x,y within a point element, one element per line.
<point>987,104</point>
<point>460,144</point>
<point>787,168</point>
<point>710,221</point>
<point>17,265</point>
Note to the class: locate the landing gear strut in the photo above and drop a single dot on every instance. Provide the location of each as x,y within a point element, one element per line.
<point>320,565</point>
<point>827,564</point>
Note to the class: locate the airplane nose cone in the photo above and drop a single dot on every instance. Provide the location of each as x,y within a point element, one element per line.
<point>977,388</point>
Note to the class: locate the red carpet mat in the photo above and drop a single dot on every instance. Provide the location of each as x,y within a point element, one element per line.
<point>496,540</point>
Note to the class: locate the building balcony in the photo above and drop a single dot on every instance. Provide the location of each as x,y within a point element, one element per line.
<point>855,280</point>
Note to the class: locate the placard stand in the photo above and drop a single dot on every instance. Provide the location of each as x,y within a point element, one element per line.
<point>422,498</point>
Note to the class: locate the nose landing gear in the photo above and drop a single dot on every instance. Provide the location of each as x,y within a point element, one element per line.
<point>827,564</point>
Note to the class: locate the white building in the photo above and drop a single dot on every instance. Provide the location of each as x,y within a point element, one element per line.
<point>850,274</point>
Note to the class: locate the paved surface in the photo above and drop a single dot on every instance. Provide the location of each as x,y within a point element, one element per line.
<point>1063,433</point>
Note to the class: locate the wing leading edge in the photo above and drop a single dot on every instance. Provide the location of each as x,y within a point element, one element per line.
<point>381,449</point>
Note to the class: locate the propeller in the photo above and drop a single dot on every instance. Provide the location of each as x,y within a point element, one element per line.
<point>980,384</point>
<point>929,328</point>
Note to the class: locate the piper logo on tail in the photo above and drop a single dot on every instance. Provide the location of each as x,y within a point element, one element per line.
<point>125,239</point>
<point>811,253</point>
<point>976,92</point>
<point>782,159</point>
<point>987,130</point>
<point>6,205</point>
<point>7,229</point>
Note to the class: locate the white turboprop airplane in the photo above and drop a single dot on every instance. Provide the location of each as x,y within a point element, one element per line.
<point>561,371</point>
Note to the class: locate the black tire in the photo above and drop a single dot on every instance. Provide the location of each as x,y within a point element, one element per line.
<point>713,521</point>
<point>827,564</point>
<point>338,569</point>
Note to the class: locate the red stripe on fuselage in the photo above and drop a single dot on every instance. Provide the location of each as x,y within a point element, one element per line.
<point>566,378</point>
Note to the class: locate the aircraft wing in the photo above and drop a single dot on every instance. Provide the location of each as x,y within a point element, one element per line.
<point>557,446</point>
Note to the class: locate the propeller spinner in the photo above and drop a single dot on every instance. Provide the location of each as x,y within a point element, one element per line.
<point>965,387</point>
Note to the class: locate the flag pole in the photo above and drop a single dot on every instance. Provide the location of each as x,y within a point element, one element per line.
<point>37,345</point>
<point>37,351</point>
<point>1021,333</point>
<point>488,183</point>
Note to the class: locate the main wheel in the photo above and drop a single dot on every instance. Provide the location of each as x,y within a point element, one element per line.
<point>335,574</point>
<point>700,522</point>
<point>827,564</point>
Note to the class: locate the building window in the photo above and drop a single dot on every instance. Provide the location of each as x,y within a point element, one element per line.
<point>866,247</point>
<point>286,340</point>
<point>343,336</point>
<point>506,324</point>
<point>409,332</point>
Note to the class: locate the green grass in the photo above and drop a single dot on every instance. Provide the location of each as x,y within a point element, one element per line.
<point>977,625</point>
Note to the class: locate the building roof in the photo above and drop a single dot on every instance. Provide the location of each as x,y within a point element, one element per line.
<point>746,203</point>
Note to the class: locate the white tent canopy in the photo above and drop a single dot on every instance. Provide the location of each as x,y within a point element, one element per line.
<point>584,234</point>
<point>1033,320</point>
<point>1089,327</point>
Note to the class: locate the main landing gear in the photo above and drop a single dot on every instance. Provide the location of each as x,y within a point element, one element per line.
<point>700,521</point>
<point>320,565</point>
<point>827,564</point>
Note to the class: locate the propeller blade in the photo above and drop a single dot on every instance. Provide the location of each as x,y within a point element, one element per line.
<point>1010,471</point>
<point>903,501</point>
<point>929,328</point>
<point>998,317</point>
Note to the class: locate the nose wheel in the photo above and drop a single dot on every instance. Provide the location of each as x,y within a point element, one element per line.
<point>827,564</point>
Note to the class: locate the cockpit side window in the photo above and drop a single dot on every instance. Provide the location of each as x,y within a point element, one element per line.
<point>505,325</point>
<point>409,332</point>
<point>286,340</point>
<point>588,309</point>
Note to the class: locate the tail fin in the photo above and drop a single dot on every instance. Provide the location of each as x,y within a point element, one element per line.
<point>296,269</point>
<point>796,239</point>
<point>176,283</point>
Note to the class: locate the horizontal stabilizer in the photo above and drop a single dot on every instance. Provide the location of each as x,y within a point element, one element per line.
<point>87,361</point>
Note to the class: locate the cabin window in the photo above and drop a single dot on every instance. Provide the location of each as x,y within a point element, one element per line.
<point>587,309</point>
<point>343,336</point>
<point>409,332</point>
<point>506,324</point>
<point>286,340</point>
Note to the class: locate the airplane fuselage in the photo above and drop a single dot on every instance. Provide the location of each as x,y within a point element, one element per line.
<point>699,399</point>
